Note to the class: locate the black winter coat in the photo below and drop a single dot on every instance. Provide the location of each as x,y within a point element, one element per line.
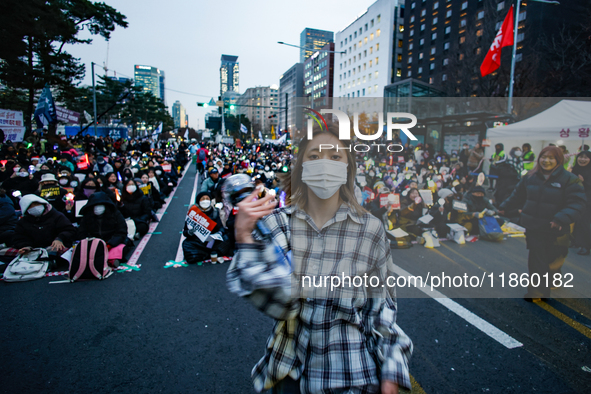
<point>136,206</point>
<point>110,226</point>
<point>560,198</point>
<point>40,232</point>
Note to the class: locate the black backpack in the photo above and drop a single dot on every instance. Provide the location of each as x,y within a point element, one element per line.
<point>89,260</point>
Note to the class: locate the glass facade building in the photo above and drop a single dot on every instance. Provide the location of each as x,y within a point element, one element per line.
<point>179,115</point>
<point>313,40</point>
<point>229,74</point>
<point>151,79</point>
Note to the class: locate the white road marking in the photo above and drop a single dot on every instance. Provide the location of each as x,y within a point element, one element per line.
<point>484,326</point>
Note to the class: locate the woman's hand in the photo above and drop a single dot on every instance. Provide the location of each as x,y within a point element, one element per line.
<point>389,387</point>
<point>554,225</point>
<point>581,178</point>
<point>24,250</point>
<point>249,212</point>
<point>57,245</point>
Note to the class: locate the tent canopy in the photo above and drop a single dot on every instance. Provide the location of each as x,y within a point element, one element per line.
<point>548,125</point>
<point>566,123</point>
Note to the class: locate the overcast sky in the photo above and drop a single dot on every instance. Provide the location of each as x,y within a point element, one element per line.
<point>186,39</point>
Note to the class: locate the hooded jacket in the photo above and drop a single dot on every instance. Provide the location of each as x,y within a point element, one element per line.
<point>8,217</point>
<point>40,232</point>
<point>110,226</point>
<point>136,205</point>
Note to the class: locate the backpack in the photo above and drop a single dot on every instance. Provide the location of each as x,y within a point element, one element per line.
<point>202,155</point>
<point>89,260</point>
<point>490,230</point>
<point>28,266</point>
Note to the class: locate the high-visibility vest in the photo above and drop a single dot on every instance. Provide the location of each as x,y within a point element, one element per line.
<point>496,157</point>
<point>529,161</point>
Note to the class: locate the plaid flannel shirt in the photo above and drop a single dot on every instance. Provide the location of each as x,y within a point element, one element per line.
<point>329,344</point>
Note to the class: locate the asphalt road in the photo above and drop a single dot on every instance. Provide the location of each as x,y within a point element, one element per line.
<point>178,330</point>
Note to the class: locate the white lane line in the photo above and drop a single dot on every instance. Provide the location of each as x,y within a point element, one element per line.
<point>179,252</point>
<point>484,326</point>
<point>144,241</point>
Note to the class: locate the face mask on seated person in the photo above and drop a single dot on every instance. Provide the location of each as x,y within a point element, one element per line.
<point>205,204</point>
<point>131,189</point>
<point>99,210</point>
<point>36,211</point>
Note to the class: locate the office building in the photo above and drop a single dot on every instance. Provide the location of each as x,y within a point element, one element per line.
<point>313,40</point>
<point>162,84</point>
<point>179,115</point>
<point>151,79</point>
<point>372,46</point>
<point>291,87</point>
<point>319,76</point>
<point>257,104</point>
<point>446,41</point>
<point>229,74</point>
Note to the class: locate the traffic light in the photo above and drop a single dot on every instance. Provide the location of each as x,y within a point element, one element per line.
<point>272,116</point>
<point>204,105</point>
<point>231,107</point>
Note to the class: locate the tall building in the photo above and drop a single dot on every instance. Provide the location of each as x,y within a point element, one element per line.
<point>446,41</point>
<point>372,47</point>
<point>151,79</point>
<point>313,40</point>
<point>161,79</point>
<point>291,87</point>
<point>229,74</point>
<point>257,104</point>
<point>179,115</point>
<point>319,75</point>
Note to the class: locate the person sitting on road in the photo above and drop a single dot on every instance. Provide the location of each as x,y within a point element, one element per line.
<point>411,210</point>
<point>8,218</point>
<point>52,192</point>
<point>42,227</point>
<point>443,213</point>
<point>210,184</point>
<point>151,191</point>
<point>194,249</point>
<point>137,207</point>
<point>101,166</point>
<point>477,206</point>
<point>101,219</point>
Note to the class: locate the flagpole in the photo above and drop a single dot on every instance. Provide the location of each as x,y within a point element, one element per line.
<point>94,98</point>
<point>513,58</point>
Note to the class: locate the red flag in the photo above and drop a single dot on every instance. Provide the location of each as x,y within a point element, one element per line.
<point>504,38</point>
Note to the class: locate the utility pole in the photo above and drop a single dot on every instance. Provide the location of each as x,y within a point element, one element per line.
<point>286,109</point>
<point>94,98</point>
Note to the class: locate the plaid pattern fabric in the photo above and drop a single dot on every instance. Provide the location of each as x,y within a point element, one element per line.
<point>516,163</point>
<point>334,343</point>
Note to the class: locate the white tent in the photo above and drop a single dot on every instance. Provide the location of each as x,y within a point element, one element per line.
<point>566,123</point>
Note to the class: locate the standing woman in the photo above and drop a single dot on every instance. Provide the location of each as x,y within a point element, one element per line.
<point>582,232</point>
<point>551,198</point>
<point>345,340</point>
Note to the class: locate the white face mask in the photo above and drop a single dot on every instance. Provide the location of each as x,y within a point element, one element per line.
<point>23,174</point>
<point>36,211</point>
<point>63,182</point>
<point>158,172</point>
<point>131,189</point>
<point>99,210</point>
<point>134,170</point>
<point>205,204</point>
<point>324,177</point>
<point>518,153</point>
